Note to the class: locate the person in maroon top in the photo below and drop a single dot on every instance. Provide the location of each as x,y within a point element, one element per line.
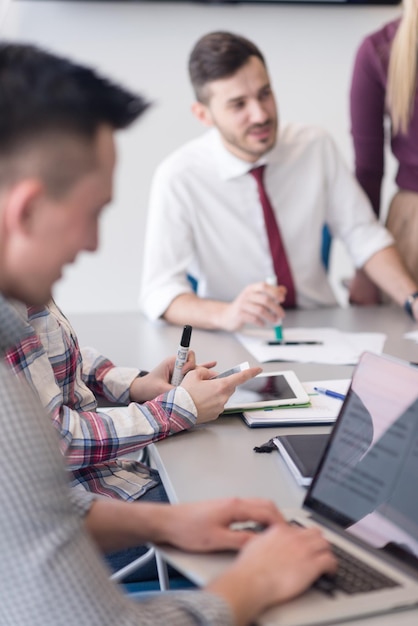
<point>384,109</point>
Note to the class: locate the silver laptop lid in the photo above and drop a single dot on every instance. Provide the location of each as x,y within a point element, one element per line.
<point>367,480</point>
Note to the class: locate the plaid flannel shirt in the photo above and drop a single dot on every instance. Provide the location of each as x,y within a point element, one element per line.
<point>51,573</point>
<point>66,379</point>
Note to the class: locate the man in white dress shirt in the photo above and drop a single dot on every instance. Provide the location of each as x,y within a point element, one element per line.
<point>205,217</point>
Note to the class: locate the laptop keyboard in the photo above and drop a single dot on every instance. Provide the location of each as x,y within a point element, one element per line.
<point>352,576</point>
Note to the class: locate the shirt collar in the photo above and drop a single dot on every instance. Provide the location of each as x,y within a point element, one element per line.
<point>229,166</point>
<point>12,326</point>
<point>20,308</point>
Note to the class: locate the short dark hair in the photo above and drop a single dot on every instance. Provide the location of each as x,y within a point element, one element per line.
<point>218,55</point>
<point>46,96</point>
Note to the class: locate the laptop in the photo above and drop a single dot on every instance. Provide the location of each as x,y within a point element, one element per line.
<point>364,496</point>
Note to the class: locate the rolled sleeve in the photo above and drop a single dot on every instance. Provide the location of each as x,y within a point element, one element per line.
<point>158,296</point>
<point>363,245</point>
<point>350,215</point>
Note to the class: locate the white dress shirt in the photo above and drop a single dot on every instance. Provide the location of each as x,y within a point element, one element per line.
<point>205,219</point>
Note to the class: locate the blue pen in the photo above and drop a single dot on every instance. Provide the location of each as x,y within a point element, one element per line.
<point>329,392</point>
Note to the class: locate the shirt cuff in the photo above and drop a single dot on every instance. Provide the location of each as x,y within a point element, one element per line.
<point>118,381</point>
<point>207,608</point>
<point>81,499</point>
<point>155,304</point>
<point>183,399</point>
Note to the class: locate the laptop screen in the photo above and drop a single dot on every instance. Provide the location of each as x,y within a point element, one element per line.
<point>367,481</point>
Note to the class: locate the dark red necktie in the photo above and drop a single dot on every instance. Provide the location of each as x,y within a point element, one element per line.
<point>278,253</point>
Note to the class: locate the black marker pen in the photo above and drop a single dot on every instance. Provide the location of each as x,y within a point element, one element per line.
<point>182,352</point>
<point>294,343</point>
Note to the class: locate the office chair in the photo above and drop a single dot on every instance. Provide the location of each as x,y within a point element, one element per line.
<point>326,246</point>
<point>163,578</point>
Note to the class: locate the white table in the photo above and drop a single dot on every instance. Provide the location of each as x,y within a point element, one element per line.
<point>217,460</point>
<point>130,339</point>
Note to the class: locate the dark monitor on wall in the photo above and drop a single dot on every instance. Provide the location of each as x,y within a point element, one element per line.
<point>260,2</point>
<point>265,2</point>
<point>270,2</point>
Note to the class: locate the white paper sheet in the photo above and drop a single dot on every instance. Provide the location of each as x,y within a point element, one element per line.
<point>337,347</point>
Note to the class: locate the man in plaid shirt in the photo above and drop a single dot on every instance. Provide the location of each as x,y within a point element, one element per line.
<point>67,378</point>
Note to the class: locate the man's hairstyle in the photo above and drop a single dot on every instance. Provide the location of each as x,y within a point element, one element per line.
<point>218,55</point>
<point>44,98</point>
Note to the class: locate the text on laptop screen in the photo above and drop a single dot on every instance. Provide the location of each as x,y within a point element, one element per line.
<point>367,479</point>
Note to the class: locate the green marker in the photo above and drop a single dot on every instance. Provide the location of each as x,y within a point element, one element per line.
<point>278,332</point>
<point>278,329</point>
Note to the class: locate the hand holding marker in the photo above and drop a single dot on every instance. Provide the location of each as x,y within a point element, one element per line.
<point>278,328</point>
<point>182,352</point>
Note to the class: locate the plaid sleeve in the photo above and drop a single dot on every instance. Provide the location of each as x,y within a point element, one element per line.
<point>91,437</point>
<point>106,379</point>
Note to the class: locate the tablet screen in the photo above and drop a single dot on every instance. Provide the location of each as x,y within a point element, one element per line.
<point>274,388</point>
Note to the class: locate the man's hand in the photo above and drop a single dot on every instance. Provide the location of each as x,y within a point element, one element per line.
<point>197,527</point>
<point>274,567</point>
<point>211,394</point>
<point>257,304</point>
<point>206,526</point>
<point>157,381</point>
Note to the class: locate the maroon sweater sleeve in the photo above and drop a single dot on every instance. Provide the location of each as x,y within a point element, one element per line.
<point>367,110</point>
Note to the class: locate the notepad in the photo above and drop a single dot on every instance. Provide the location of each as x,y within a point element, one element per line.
<point>320,410</point>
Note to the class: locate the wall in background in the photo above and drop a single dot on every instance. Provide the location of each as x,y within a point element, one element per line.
<point>309,50</point>
<point>4,7</point>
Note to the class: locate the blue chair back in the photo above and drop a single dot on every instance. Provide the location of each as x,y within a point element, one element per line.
<point>325,254</point>
<point>326,246</point>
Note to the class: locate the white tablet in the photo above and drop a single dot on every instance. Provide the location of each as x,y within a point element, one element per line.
<point>268,389</point>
